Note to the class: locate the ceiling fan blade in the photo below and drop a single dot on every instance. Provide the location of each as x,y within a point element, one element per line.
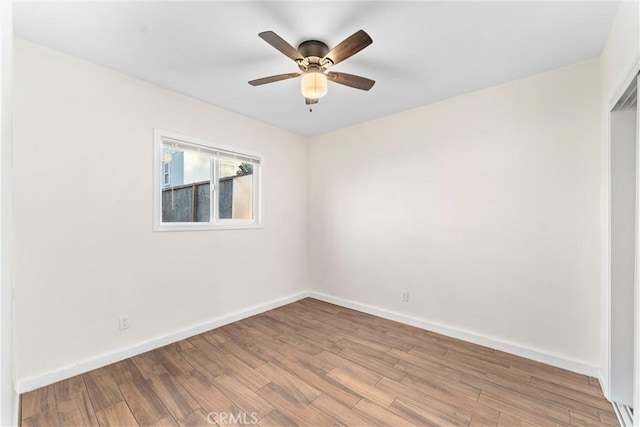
<point>276,78</point>
<point>281,44</point>
<point>349,47</point>
<point>351,80</point>
<point>311,101</point>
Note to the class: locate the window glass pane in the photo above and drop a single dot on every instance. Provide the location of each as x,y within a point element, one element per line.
<point>235,189</point>
<point>186,192</point>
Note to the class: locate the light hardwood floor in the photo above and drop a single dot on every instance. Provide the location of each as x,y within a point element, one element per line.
<point>313,363</point>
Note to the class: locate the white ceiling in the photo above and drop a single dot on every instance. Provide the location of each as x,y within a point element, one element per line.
<point>422,51</point>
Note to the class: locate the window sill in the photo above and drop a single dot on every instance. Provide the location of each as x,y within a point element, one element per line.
<point>190,226</point>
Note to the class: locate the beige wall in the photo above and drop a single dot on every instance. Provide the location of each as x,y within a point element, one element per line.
<point>486,207</point>
<point>85,251</point>
<point>621,49</point>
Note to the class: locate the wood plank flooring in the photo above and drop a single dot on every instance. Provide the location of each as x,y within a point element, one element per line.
<point>313,363</point>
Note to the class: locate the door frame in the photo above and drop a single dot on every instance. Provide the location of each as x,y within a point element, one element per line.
<point>606,374</point>
<point>8,395</point>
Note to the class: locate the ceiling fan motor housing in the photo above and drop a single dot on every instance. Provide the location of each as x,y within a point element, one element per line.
<point>314,50</point>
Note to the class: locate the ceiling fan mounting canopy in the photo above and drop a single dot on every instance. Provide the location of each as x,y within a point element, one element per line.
<point>313,52</point>
<point>313,48</point>
<point>314,56</point>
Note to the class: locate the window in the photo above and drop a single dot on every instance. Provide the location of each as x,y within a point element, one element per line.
<point>202,186</point>
<point>166,174</point>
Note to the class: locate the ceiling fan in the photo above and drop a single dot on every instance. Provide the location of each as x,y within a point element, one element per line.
<point>314,59</point>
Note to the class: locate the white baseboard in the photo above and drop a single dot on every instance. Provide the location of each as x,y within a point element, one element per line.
<point>604,385</point>
<point>64,372</point>
<point>498,344</point>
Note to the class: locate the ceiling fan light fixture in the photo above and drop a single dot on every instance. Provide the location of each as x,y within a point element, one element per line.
<point>314,84</point>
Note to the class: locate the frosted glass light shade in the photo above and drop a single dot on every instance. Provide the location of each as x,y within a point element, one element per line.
<point>314,85</point>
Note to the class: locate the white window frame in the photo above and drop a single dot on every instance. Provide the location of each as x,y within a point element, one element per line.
<point>160,136</point>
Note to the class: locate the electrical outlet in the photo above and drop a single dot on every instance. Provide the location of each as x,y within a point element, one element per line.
<point>405,296</point>
<point>124,321</point>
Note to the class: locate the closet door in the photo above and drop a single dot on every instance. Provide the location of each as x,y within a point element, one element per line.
<point>624,190</point>
<point>636,296</point>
